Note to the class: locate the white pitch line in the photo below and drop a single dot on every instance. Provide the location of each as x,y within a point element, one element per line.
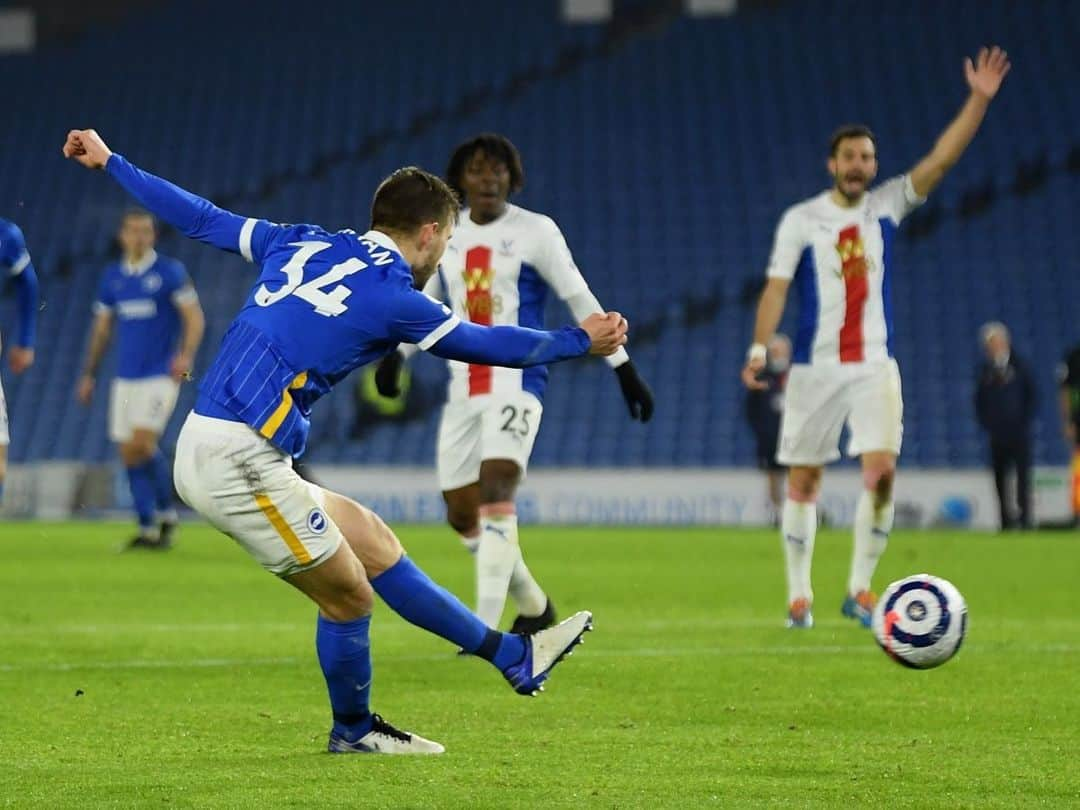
<point>593,652</point>
<point>720,623</point>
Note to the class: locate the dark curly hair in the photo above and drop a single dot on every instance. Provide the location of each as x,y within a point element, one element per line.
<point>494,146</point>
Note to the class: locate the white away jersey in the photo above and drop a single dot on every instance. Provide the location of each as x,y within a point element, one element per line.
<point>498,274</point>
<point>840,260</point>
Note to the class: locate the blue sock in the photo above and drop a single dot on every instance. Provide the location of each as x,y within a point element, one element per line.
<point>142,492</point>
<point>345,657</point>
<point>163,487</point>
<point>412,595</point>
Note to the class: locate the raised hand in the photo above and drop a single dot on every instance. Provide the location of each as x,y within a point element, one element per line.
<point>987,72</point>
<point>87,147</point>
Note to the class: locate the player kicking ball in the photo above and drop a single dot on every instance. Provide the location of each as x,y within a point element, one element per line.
<point>500,268</point>
<point>836,248</point>
<point>324,304</point>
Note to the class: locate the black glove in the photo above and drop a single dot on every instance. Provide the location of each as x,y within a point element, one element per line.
<point>388,375</point>
<point>635,391</point>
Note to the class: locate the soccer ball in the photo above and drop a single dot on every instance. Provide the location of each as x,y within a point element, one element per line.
<point>920,621</point>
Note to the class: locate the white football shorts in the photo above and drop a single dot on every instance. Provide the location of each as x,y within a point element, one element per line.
<point>145,404</point>
<point>820,399</point>
<point>491,426</point>
<point>247,488</point>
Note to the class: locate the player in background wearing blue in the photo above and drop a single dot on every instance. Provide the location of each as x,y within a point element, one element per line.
<point>323,305</point>
<point>15,262</point>
<point>159,325</point>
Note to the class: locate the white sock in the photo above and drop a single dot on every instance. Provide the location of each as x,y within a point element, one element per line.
<point>496,557</point>
<point>872,527</point>
<point>798,527</point>
<point>526,591</point>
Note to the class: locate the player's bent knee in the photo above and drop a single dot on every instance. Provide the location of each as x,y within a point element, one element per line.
<point>338,586</point>
<point>499,479</point>
<point>462,507</point>
<point>804,484</point>
<point>137,451</point>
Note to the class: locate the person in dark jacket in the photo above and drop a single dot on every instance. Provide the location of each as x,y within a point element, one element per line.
<point>1005,405</point>
<point>763,409</point>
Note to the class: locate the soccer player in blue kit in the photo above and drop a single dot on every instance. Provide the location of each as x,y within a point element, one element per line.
<point>150,302</point>
<point>323,305</point>
<point>15,262</point>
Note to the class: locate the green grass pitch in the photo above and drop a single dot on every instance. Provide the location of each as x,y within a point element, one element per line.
<point>189,679</point>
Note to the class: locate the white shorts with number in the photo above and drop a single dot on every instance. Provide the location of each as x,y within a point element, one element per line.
<point>144,404</point>
<point>819,400</point>
<point>485,427</point>
<point>5,437</point>
<point>248,489</point>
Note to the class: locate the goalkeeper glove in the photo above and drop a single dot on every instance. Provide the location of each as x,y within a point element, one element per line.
<point>635,391</point>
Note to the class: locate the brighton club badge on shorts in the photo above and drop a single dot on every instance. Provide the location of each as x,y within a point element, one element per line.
<point>316,521</point>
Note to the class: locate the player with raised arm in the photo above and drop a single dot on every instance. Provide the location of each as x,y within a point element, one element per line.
<point>499,268</point>
<point>324,304</point>
<point>837,249</point>
<point>15,263</point>
<point>152,305</point>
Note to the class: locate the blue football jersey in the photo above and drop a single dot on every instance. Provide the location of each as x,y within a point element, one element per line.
<point>324,304</point>
<point>15,264</point>
<point>143,301</point>
<point>13,253</point>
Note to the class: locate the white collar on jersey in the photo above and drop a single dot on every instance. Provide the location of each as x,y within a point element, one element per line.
<point>381,239</point>
<point>141,266</point>
<point>465,217</point>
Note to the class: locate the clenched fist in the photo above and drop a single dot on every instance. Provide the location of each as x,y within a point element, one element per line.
<point>86,146</point>
<point>607,332</point>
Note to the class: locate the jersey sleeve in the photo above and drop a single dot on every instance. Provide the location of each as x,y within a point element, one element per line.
<point>105,300</point>
<point>417,318</point>
<point>181,291</point>
<point>896,198</point>
<point>555,263</point>
<point>14,257</point>
<point>193,216</point>
<point>258,238</point>
<point>788,245</point>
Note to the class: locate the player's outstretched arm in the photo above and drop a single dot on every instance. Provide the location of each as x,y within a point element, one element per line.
<point>188,213</point>
<point>518,347</point>
<point>984,77</point>
<point>770,310</point>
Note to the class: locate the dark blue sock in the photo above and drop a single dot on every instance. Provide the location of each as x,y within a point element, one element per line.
<point>412,595</point>
<point>163,486</point>
<point>345,657</point>
<point>141,480</point>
